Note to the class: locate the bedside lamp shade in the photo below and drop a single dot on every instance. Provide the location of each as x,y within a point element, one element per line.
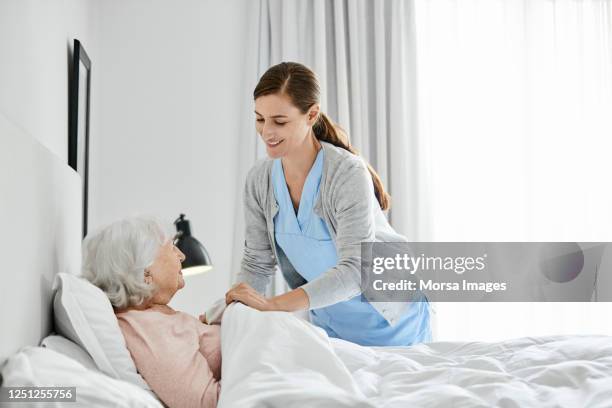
<point>197,259</point>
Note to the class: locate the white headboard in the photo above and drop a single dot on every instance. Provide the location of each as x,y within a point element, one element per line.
<point>40,219</point>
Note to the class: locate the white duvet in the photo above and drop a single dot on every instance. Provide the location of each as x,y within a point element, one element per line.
<point>273,359</point>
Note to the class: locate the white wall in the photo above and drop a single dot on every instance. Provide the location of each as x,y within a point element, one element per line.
<point>40,212</point>
<point>36,39</point>
<point>168,90</point>
<point>41,198</point>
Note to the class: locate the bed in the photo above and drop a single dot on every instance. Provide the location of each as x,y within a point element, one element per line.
<point>270,359</point>
<point>275,359</point>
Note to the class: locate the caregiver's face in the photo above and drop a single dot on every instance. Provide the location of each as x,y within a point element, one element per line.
<point>280,124</point>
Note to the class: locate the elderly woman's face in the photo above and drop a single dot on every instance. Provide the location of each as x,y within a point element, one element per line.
<point>166,272</point>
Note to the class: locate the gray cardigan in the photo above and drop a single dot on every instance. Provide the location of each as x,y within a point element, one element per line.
<point>346,203</point>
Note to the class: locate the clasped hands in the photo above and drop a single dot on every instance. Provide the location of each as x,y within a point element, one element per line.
<point>244,293</point>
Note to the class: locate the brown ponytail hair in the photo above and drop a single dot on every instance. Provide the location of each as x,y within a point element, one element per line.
<point>302,86</point>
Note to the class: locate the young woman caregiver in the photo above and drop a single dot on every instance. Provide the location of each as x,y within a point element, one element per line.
<point>308,207</point>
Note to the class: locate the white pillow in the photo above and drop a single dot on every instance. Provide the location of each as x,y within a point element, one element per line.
<point>70,349</point>
<point>43,367</point>
<point>84,315</point>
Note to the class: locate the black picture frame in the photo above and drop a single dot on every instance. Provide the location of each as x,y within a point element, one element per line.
<point>78,138</point>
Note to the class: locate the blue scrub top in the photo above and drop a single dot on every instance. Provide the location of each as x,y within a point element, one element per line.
<point>305,240</point>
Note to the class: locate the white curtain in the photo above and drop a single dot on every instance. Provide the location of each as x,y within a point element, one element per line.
<point>488,120</point>
<point>515,103</point>
<point>363,53</point>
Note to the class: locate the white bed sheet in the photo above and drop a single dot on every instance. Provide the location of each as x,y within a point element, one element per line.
<point>274,359</point>
<point>559,371</point>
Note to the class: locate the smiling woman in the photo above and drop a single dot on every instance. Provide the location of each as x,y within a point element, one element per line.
<point>136,264</point>
<point>309,207</point>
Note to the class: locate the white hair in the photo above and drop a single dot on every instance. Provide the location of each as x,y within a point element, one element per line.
<point>115,258</point>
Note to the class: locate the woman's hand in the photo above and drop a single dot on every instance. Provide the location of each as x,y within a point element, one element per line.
<point>244,293</point>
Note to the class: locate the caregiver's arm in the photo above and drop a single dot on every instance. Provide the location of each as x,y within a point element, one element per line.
<point>258,263</point>
<point>353,199</point>
<point>287,302</point>
<point>292,301</point>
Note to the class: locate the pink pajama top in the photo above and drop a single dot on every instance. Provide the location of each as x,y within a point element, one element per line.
<point>177,355</point>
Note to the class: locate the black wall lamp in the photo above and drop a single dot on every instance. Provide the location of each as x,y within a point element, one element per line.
<point>197,260</point>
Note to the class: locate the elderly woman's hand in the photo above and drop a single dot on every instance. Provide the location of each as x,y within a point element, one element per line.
<point>244,293</point>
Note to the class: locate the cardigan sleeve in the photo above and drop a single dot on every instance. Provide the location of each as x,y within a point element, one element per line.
<point>258,264</point>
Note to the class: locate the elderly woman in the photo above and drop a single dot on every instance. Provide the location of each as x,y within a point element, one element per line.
<point>138,267</point>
